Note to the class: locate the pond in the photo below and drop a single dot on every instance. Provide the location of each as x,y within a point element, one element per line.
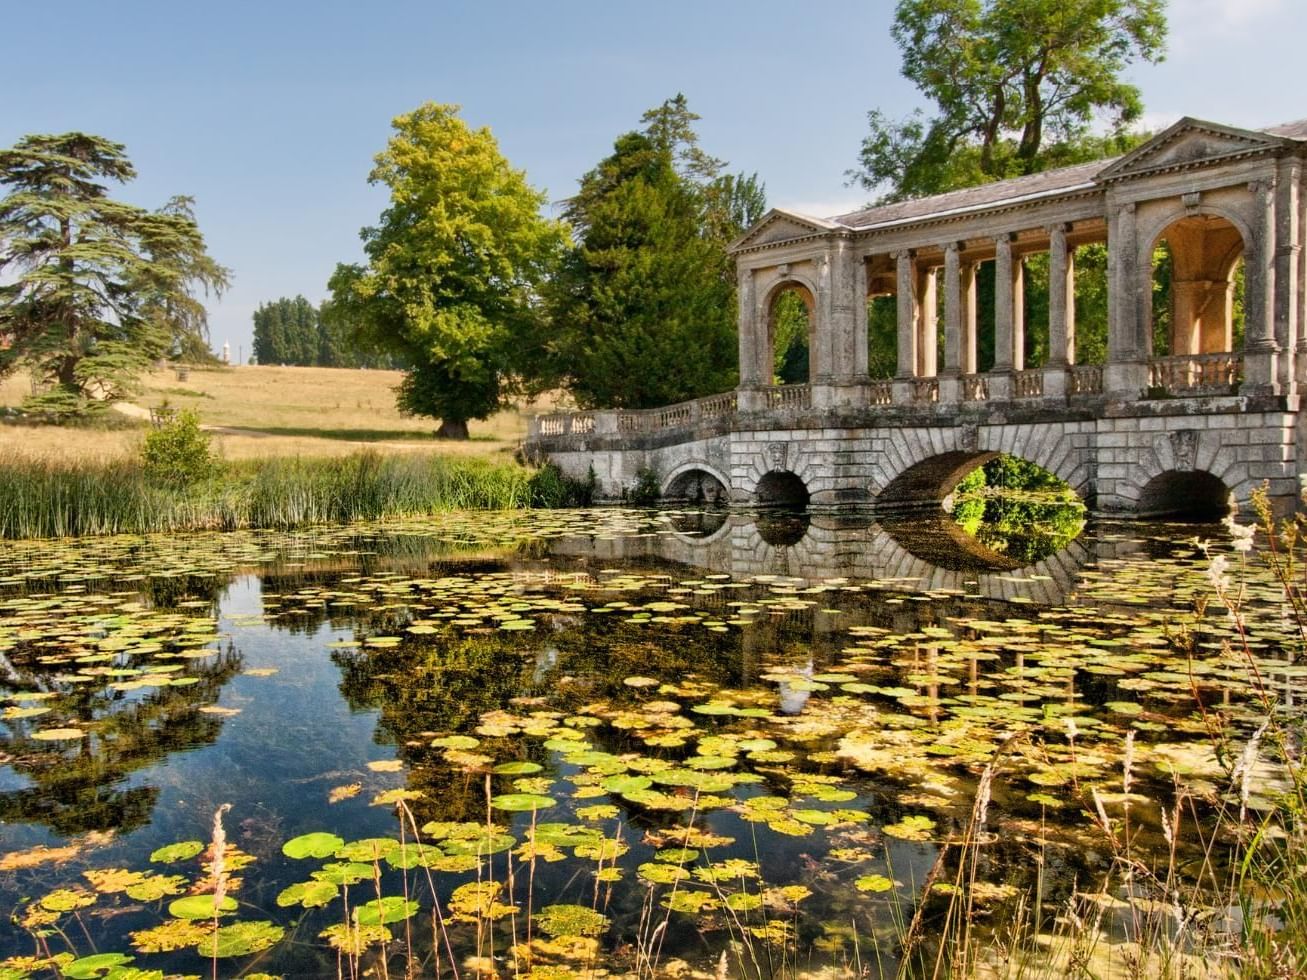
<point>683,743</point>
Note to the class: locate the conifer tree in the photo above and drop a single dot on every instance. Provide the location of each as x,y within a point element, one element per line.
<point>93,290</point>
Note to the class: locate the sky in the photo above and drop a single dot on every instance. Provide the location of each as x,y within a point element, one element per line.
<point>269,113</point>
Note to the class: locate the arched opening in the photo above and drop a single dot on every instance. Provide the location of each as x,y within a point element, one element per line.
<point>780,488</point>
<point>1005,505</point>
<point>1192,496</point>
<point>882,318</point>
<point>1197,287</point>
<point>697,487</point>
<point>790,317</point>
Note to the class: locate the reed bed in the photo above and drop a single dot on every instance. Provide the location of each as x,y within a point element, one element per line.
<point>53,499</point>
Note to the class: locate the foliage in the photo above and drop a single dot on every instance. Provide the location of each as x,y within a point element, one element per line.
<point>790,339</point>
<point>643,305</point>
<point>453,267</point>
<point>647,488</point>
<point>178,452</point>
<point>1016,86</point>
<point>294,331</point>
<point>93,290</point>
<point>551,487</point>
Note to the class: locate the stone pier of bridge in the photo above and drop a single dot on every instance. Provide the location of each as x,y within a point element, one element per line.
<point>1196,408</point>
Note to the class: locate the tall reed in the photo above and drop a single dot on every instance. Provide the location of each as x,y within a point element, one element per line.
<point>46,499</point>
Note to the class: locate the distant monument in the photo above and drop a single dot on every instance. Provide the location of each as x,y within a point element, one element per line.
<point>226,352</point>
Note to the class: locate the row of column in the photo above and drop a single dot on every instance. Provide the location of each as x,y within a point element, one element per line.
<point>918,309</point>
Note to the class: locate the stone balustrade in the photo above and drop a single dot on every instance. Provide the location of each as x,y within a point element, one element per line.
<point>1173,377</point>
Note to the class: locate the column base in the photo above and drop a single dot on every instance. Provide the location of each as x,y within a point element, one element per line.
<point>999,384</point>
<point>750,400</point>
<point>950,388</point>
<point>839,394</point>
<point>1125,380</point>
<point>1056,383</point>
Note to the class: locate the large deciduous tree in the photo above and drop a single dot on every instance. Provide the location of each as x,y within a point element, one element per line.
<point>92,289</point>
<point>1017,87</point>
<point>643,307</point>
<point>453,267</point>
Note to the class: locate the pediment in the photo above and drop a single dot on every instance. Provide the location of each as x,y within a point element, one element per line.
<point>1190,143</point>
<point>783,226</point>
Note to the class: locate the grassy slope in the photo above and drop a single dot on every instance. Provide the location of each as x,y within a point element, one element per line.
<point>269,411</point>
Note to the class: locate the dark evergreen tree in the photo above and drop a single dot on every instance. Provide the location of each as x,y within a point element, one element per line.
<point>643,307</point>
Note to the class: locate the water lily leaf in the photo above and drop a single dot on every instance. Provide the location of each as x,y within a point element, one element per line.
<point>520,802</point>
<point>624,785</point>
<point>200,907</point>
<point>480,846</point>
<point>67,900</point>
<point>310,894</point>
<point>109,881</point>
<point>343,873</point>
<point>383,911</point>
<point>367,849</point>
<point>913,828</point>
<point>172,935</point>
<point>60,735</point>
<point>240,939</point>
<point>662,874</point>
<point>690,902</point>
<point>873,883</point>
<point>600,811</point>
<point>478,900</point>
<point>570,920</point>
<point>744,901</point>
<point>314,845</point>
<point>96,965</point>
<point>354,939</point>
<point>181,851</point>
<point>155,887</point>
<point>517,768</point>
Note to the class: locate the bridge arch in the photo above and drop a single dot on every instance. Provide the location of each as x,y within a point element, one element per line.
<point>1193,494</point>
<point>922,465</point>
<point>781,488</point>
<point>698,482</point>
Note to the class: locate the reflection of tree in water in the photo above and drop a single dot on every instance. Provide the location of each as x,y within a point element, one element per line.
<point>77,786</point>
<point>1017,509</point>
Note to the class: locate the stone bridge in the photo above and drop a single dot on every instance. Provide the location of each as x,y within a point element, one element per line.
<point>1174,416</point>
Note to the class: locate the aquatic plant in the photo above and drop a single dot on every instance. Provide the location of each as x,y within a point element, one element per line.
<point>45,499</point>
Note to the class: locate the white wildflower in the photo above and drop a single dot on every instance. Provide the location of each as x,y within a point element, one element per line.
<point>1216,574</point>
<point>1128,762</point>
<point>1241,535</point>
<point>1071,730</point>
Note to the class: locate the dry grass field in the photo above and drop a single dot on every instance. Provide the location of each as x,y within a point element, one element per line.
<point>267,411</point>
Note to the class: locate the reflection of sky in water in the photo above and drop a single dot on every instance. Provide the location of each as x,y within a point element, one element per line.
<point>303,730</point>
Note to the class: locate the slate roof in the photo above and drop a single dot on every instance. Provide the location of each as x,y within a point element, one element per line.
<point>1000,192</point>
<point>1013,191</point>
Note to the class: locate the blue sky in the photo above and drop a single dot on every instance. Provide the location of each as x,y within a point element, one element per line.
<point>269,113</point>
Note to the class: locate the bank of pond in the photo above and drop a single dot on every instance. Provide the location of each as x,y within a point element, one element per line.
<point>648,743</point>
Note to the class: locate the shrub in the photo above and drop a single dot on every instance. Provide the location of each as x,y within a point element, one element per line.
<point>551,487</point>
<point>178,452</point>
<point>647,489</point>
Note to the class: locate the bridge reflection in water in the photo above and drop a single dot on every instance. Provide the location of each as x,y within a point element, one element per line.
<point>929,554</point>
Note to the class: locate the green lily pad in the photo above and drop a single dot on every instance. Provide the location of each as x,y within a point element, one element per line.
<point>315,845</point>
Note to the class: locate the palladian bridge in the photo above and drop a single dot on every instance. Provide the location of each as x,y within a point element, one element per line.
<point>1170,416</point>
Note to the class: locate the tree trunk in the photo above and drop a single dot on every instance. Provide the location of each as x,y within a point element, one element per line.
<point>452,429</point>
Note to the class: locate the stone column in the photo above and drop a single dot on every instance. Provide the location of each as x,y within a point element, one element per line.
<point>1061,313</point>
<point>949,386</point>
<point>1288,246</point>
<point>842,377</point>
<point>1000,382</point>
<point>906,299</point>
<point>1061,299</point>
<point>754,346</point>
<point>1126,373</point>
<point>1260,350</point>
<point>970,363</point>
<point>927,323</point>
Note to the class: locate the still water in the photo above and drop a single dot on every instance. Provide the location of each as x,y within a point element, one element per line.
<point>657,741</point>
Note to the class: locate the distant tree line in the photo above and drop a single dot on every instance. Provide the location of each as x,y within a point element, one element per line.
<point>295,332</point>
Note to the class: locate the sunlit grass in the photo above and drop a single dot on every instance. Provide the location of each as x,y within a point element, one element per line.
<point>50,498</point>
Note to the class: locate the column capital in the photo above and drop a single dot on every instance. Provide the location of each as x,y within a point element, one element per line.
<point>1058,228</point>
<point>1128,208</point>
<point>1005,240</point>
<point>952,248</point>
<point>899,254</point>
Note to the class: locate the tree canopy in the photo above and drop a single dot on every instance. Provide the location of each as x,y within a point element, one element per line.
<point>91,289</point>
<point>1017,87</point>
<point>643,305</point>
<point>450,285</point>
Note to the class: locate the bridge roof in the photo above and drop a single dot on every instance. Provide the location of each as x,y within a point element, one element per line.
<point>1012,191</point>
<point>1049,183</point>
